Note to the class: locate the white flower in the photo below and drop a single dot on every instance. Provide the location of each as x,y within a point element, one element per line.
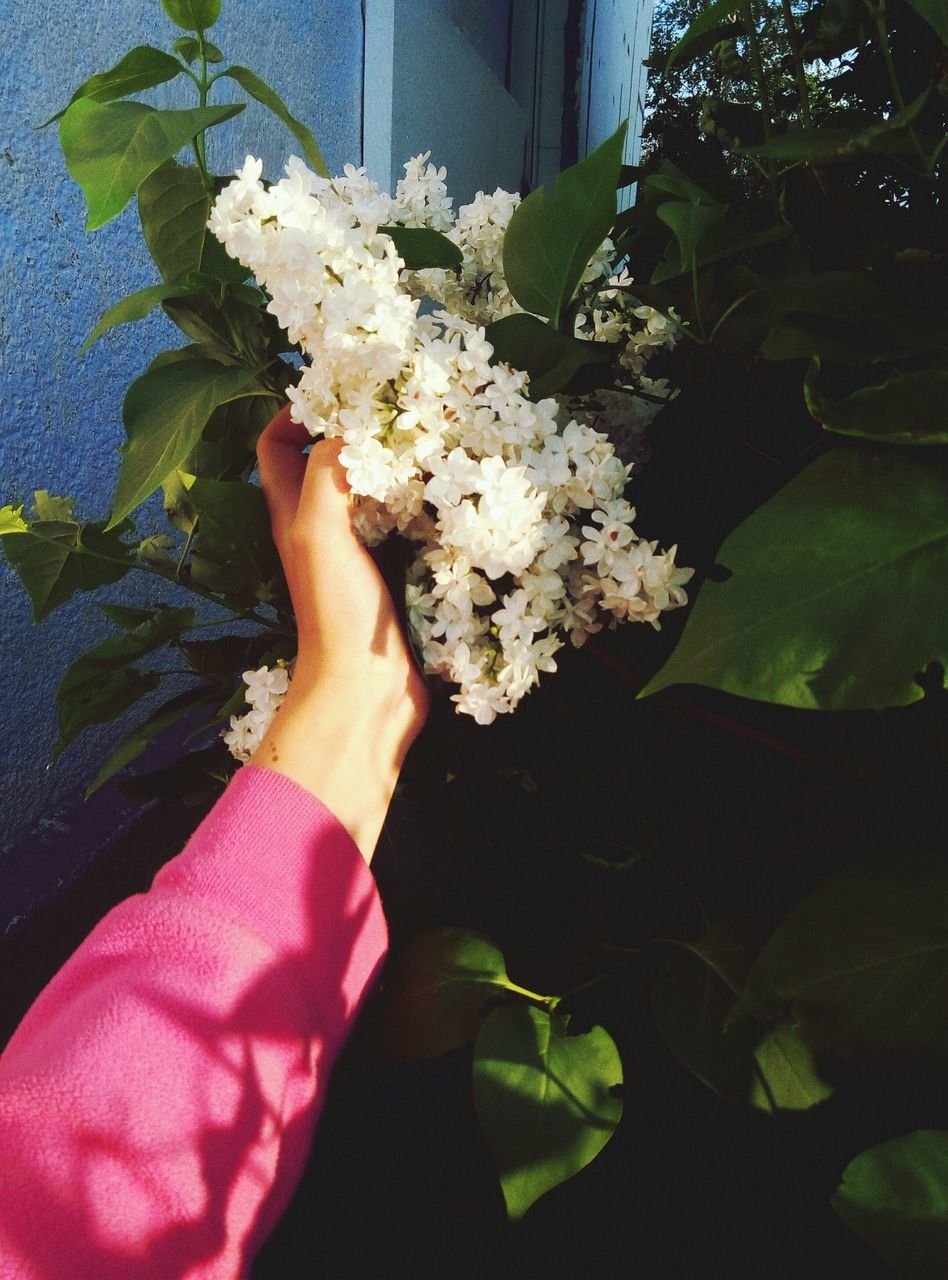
<point>442,445</point>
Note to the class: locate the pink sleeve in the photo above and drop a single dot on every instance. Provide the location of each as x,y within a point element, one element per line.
<point>158,1100</point>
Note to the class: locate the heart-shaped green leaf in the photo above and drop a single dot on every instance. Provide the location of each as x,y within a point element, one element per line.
<point>55,556</point>
<point>545,1100</point>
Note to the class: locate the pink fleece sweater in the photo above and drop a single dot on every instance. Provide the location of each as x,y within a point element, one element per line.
<point>158,1100</point>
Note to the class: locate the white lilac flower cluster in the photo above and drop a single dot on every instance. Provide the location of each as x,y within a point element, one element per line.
<point>524,536</point>
<point>265,690</point>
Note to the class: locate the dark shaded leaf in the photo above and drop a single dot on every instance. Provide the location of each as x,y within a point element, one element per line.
<point>131,748</point>
<point>862,962</point>
<point>436,993</point>
<point>420,247</point>
<point>895,1198</point>
<point>102,683</point>
<point>812,573</point>
<point>552,359</point>
<point>692,998</point>
<point>907,408</point>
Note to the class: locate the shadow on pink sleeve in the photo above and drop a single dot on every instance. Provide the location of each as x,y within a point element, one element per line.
<point>158,1100</point>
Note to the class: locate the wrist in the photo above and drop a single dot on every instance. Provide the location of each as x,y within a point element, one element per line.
<point>346,745</point>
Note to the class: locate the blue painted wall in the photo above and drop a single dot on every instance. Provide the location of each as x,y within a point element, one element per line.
<point>61,413</point>
<point>616,38</point>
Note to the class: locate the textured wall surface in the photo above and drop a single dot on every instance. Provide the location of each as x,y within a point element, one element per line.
<point>615,41</point>
<point>61,413</point>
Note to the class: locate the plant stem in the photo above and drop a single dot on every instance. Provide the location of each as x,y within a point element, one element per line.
<point>798,71</point>
<point>763,88</point>
<point>203,86</point>
<point>882,31</point>
<point>729,311</point>
<point>184,553</point>
<point>250,614</point>
<point>633,953</point>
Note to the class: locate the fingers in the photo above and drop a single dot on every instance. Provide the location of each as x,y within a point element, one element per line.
<point>325,492</point>
<point>282,468</point>
<point>310,492</point>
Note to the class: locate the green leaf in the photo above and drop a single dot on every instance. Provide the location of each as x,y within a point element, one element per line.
<point>858,533</point>
<point>165,411</point>
<point>862,962</point>
<point>125,615</point>
<point>716,13</point>
<point>543,1098</point>
<point>102,683</point>
<point>111,148</point>
<point>935,13</point>
<point>174,208</point>
<point>192,15</point>
<point>11,520</point>
<point>135,307</point>
<point>692,225</point>
<point>46,507</point>
<point>907,408</point>
<point>234,533</point>
<point>55,558</point>
<point>846,135</point>
<point>190,49</point>
<point>420,248</point>
<point>436,993</point>
<point>133,746</point>
<point>552,359</point>
<point>260,90</point>
<point>550,240</point>
<point>692,998</point>
<point>196,778</point>
<point>141,68</point>
<point>895,1198</point>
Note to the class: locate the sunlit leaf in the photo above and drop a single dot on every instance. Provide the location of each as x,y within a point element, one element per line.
<point>165,411</point>
<point>141,68</point>
<point>111,148</point>
<point>545,1100</point>
<point>550,239</point>
<point>259,89</point>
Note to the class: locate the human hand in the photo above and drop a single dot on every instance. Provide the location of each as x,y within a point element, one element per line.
<point>357,701</point>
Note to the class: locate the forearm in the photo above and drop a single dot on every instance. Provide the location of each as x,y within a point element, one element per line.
<point>157,1102</point>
